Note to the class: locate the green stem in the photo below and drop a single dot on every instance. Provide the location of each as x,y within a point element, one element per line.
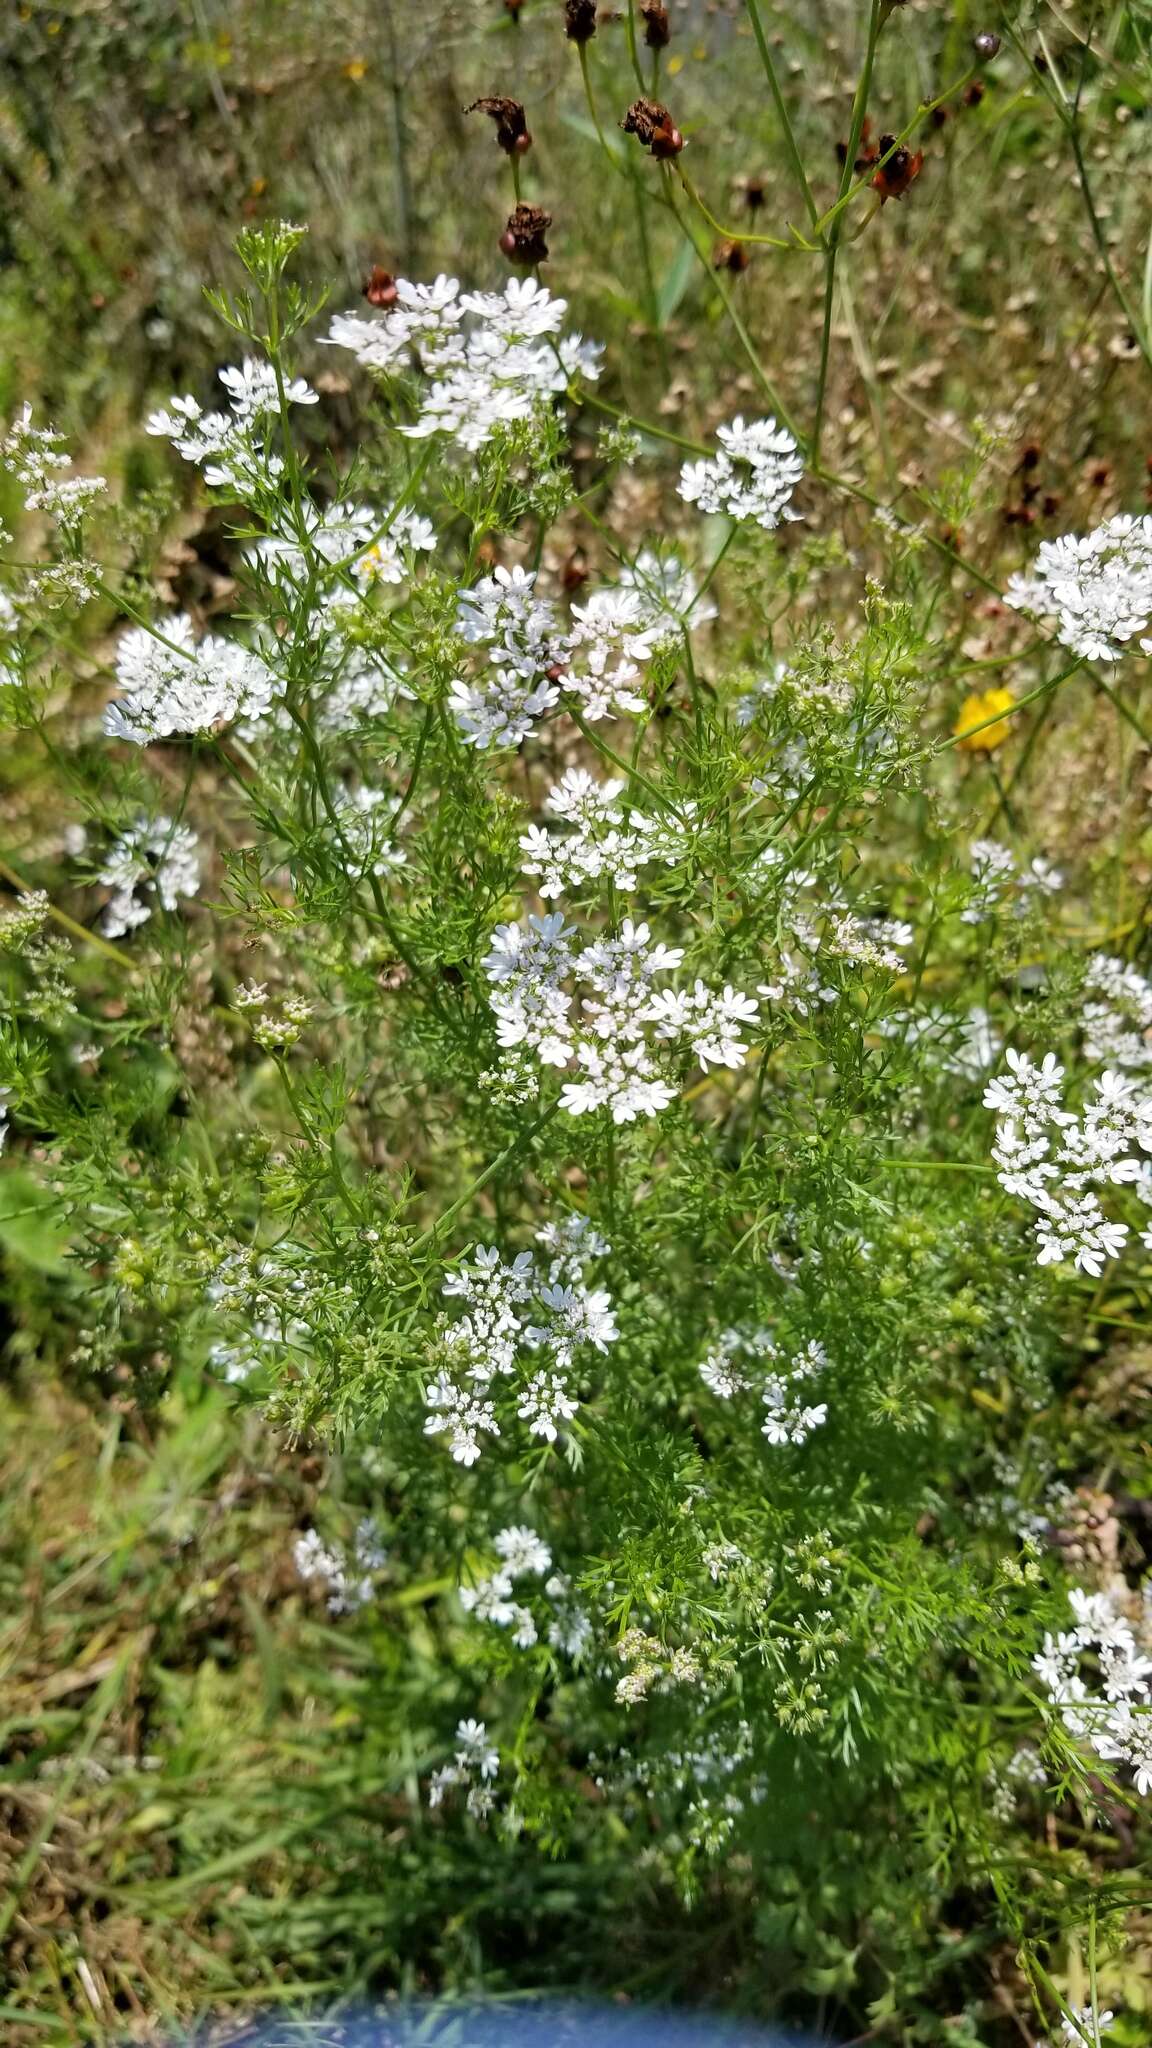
<point>790,144</point>
<point>859,109</point>
<point>516,1144</point>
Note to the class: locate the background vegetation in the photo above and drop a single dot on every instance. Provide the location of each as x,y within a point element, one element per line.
<point>212,1800</point>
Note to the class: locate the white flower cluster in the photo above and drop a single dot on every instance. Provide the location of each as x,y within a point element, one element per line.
<point>997,874</point>
<point>36,458</point>
<point>742,1361</point>
<point>964,1045</point>
<point>627,1018</point>
<point>371,546</point>
<point>231,445</point>
<point>524,1555</point>
<point>348,1575</point>
<point>1083,2027</point>
<point>486,1343</point>
<point>532,656</point>
<point>668,593</point>
<point>752,477</point>
<point>155,858</point>
<point>1098,589</point>
<point>477,1763</point>
<point>1006,1782</point>
<point>1115,1721</point>
<point>489,358</point>
<point>871,941</point>
<point>365,816</point>
<point>1056,1161</point>
<point>604,839</point>
<point>173,683</point>
<point>1118,1030</point>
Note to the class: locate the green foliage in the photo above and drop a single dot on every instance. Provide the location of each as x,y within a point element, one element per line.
<point>831,1447</point>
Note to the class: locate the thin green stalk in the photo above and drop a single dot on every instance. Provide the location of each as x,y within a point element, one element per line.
<point>790,143</point>
<point>745,339</point>
<point>502,1159</point>
<point>859,109</point>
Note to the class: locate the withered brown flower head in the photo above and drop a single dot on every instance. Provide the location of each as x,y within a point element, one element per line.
<point>869,150</point>
<point>579,20</point>
<point>657,27</point>
<point>523,238</point>
<point>380,287</point>
<point>653,126</point>
<point>511,125</point>
<point>754,187</point>
<point>731,256</point>
<point>893,178</point>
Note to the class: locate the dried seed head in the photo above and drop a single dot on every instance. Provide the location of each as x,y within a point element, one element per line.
<point>523,238</point>
<point>986,45</point>
<point>731,256</point>
<point>657,28</point>
<point>579,20</point>
<point>574,574</point>
<point>380,287</point>
<point>653,126</point>
<point>511,125</point>
<point>893,178</point>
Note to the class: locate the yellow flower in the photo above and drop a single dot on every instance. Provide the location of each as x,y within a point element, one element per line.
<point>976,712</point>
<point>356,70</point>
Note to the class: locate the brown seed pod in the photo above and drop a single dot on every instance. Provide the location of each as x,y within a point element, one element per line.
<point>731,256</point>
<point>893,178</point>
<point>574,574</point>
<point>511,125</point>
<point>653,127</point>
<point>657,27</point>
<point>380,287</point>
<point>523,240</point>
<point>579,20</point>
<point>754,187</point>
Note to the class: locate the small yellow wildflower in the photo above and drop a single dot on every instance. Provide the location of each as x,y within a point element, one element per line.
<point>975,712</point>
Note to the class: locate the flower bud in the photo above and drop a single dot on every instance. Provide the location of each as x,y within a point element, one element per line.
<point>986,45</point>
